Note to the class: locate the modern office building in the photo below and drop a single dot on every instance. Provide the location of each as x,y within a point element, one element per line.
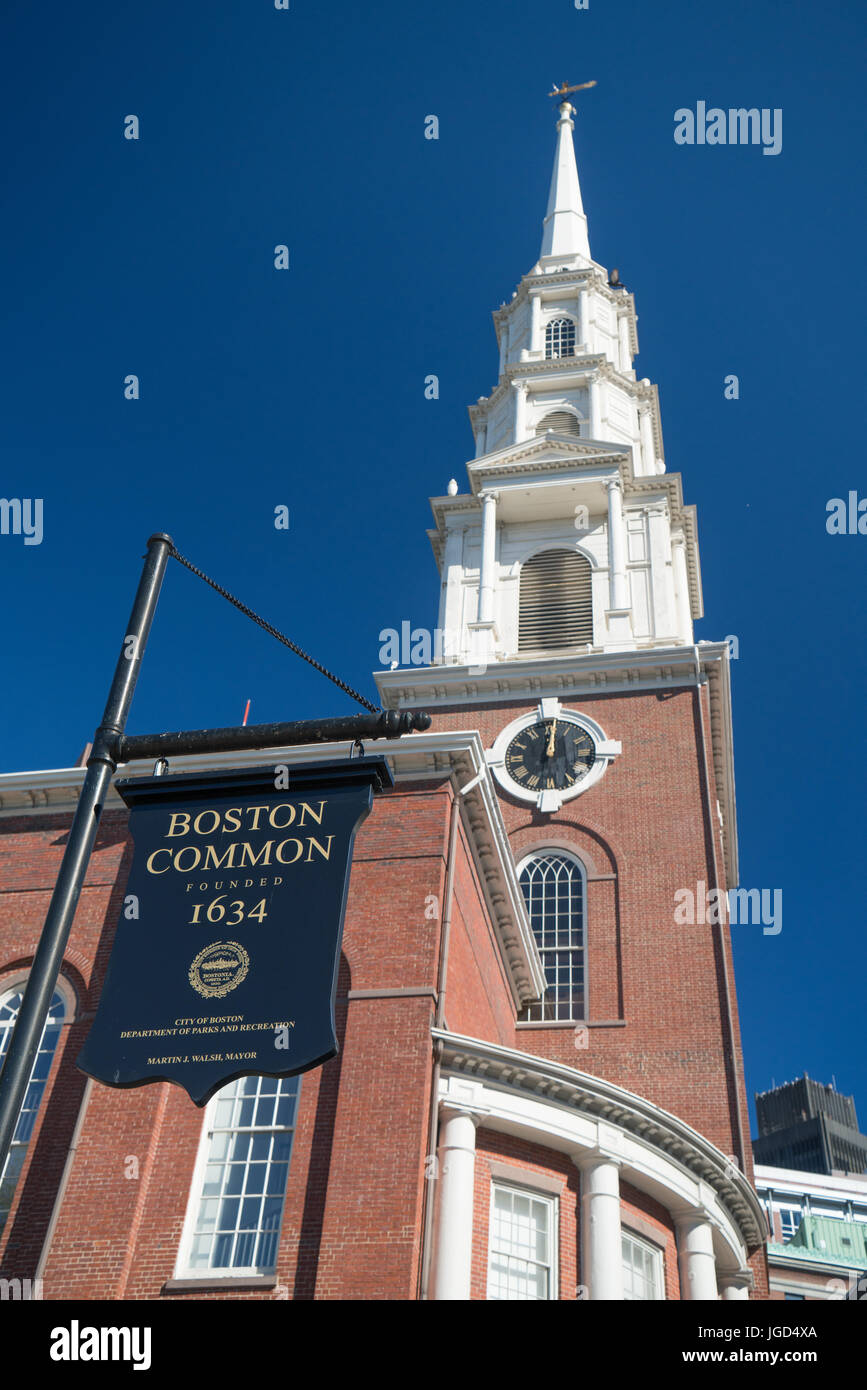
<point>817,1232</point>
<point>805,1124</point>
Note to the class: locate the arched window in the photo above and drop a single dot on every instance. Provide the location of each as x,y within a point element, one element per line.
<point>555,603</point>
<point>553,885</point>
<point>10,1003</point>
<point>560,338</point>
<point>561,422</point>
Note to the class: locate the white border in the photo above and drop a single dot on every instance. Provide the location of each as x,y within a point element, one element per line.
<point>657,1253</point>
<point>605,750</point>
<point>552,1201</point>
<point>186,1272</point>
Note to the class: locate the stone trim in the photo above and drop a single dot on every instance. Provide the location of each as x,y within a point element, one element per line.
<point>523,1177</point>
<point>251,1281</point>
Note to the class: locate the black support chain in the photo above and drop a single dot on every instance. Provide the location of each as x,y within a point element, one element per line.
<point>273,632</point>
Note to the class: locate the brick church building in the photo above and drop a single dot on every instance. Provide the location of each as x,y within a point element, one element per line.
<point>539,1092</point>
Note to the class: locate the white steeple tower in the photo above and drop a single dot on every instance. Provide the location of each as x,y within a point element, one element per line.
<point>565,227</point>
<point>573,543</point>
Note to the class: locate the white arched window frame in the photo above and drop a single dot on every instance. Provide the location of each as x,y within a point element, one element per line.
<point>555,600</point>
<point>235,1210</point>
<point>10,1004</point>
<point>554,884</point>
<point>560,338</point>
<point>562,421</point>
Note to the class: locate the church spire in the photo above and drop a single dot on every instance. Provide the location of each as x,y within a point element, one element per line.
<point>565,227</point>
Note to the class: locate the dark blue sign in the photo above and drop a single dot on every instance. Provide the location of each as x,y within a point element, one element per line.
<point>225,958</point>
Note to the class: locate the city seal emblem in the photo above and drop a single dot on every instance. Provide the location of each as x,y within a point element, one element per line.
<point>219,968</point>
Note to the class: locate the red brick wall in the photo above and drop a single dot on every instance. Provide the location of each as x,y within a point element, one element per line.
<point>479,1001</point>
<point>645,822</point>
<point>353,1215</point>
<point>356,1188</point>
<point>31,849</point>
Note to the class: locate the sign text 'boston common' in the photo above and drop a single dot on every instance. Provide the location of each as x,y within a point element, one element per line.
<point>225,957</point>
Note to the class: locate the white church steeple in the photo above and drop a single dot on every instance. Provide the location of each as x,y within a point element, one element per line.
<point>565,228</point>
<point>573,542</point>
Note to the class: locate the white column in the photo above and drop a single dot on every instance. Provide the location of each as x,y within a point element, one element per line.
<point>456,1179</point>
<point>664,612</point>
<point>618,596</point>
<point>625,350</point>
<point>535,319</point>
<point>482,440</point>
<point>681,586</point>
<point>601,1250</point>
<point>595,422</point>
<point>520,409</point>
<point>735,1285</point>
<point>452,592</point>
<point>489,544</point>
<point>583,318</point>
<point>695,1258</point>
<point>648,455</point>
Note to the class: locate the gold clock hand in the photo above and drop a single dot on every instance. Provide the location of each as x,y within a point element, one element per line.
<point>549,751</point>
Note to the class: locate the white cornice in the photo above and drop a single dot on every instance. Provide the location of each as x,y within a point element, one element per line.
<point>564,1088</point>
<point>460,756</point>
<point>591,365</point>
<point>594,277</point>
<point>602,673</point>
<point>553,451</point>
<point>717,665</point>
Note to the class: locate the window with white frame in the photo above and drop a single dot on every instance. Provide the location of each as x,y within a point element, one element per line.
<point>236,1203</point>
<point>790,1219</point>
<point>560,338</point>
<point>642,1269</point>
<point>553,884</point>
<point>10,1003</point>
<point>521,1245</point>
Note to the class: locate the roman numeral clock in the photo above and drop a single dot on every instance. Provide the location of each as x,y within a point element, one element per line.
<point>551,755</point>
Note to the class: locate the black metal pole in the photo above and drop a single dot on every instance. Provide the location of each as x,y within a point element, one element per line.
<point>388,723</point>
<point>101,765</point>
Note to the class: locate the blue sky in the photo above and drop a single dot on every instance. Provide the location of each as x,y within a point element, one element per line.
<point>306,388</point>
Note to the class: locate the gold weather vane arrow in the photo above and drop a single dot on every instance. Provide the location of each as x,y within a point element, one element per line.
<point>562,90</point>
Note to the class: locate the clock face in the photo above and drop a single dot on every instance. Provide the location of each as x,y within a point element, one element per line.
<point>550,755</point>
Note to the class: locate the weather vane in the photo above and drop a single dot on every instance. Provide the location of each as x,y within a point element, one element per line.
<point>562,90</point>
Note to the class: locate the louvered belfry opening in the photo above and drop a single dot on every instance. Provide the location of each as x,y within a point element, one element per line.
<point>562,422</point>
<point>555,602</point>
